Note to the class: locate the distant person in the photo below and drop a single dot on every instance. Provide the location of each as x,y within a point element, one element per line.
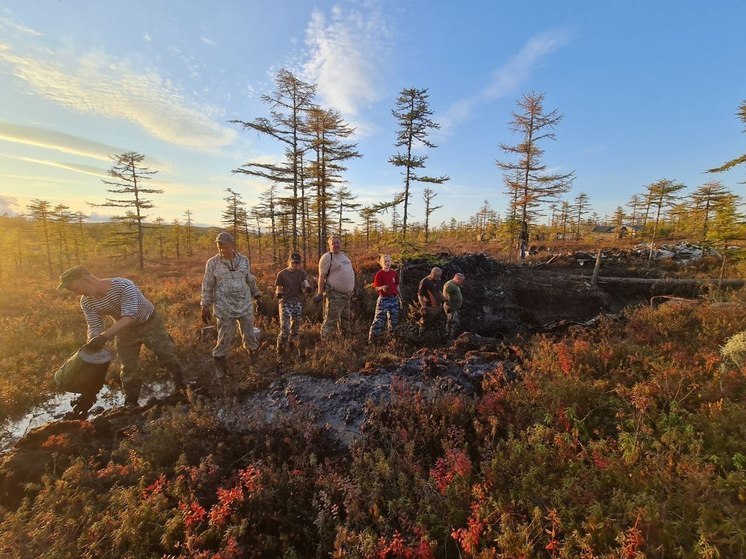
<point>452,304</point>
<point>336,286</point>
<point>228,291</point>
<point>523,239</point>
<point>386,283</point>
<point>430,297</point>
<point>136,323</point>
<point>290,286</point>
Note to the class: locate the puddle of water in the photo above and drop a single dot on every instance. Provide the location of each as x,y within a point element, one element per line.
<point>57,406</point>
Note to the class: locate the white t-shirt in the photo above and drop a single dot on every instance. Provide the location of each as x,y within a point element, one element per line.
<point>337,268</point>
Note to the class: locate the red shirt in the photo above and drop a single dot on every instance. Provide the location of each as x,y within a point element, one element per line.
<point>390,278</point>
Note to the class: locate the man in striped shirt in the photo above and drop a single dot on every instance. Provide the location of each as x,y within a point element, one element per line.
<point>135,323</point>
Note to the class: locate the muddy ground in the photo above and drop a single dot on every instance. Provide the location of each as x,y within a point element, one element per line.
<point>502,303</point>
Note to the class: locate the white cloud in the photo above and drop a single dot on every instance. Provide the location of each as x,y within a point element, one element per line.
<point>101,84</point>
<point>65,143</point>
<point>74,167</point>
<point>6,23</point>
<point>9,205</point>
<point>207,41</point>
<point>346,51</point>
<point>505,80</point>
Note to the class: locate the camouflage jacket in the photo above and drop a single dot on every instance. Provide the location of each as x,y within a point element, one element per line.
<point>229,286</point>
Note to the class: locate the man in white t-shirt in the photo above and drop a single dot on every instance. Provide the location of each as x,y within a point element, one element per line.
<point>336,285</point>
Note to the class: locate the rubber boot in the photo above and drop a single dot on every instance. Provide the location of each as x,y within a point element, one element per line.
<point>180,387</point>
<point>220,369</point>
<point>82,405</point>
<point>131,395</point>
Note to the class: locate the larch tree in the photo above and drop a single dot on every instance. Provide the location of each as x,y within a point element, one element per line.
<point>232,216</point>
<point>428,195</point>
<point>705,200</point>
<point>525,174</point>
<point>565,218</point>
<point>188,224</point>
<point>741,115</point>
<point>413,114</point>
<point>79,235</point>
<point>267,209</point>
<point>634,204</point>
<point>329,151</point>
<point>343,200</point>
<point>62,217</point>
<point>40,212</point>
<point>727,225</point>
<point>256,215</point>
<point>159,221</point>
<point>289,103</point>
<point>176,232</point>
<point>581,208</point>
<point>370,221</point>
<point>129,177</point>
<point>661,194</point>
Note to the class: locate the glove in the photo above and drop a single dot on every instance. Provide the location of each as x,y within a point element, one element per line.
<point>317,299</point>
<point>96,343</point>
<point>206,314</point>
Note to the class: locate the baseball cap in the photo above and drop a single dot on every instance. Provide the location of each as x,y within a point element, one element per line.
<point>225,237</point>
<point>69,276</point>
<point>295,257</point>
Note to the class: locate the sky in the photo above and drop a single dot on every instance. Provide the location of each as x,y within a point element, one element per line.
<point>647,90</point>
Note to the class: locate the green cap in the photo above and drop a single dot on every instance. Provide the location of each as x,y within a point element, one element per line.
<point>69,276</point>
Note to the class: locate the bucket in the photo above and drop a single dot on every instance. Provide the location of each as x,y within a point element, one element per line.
<point>84,372</point>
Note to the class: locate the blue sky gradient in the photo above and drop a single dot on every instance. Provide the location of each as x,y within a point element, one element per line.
<point>648,90</point>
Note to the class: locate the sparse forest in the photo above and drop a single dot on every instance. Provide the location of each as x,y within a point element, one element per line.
<point>596,413</point>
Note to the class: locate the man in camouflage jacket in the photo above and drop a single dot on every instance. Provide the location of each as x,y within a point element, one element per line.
<point>228,291</point>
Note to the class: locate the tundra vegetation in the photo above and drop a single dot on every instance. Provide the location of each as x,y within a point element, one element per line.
<point>625,439</point>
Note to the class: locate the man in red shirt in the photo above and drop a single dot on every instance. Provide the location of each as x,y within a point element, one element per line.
<point>386,282</point>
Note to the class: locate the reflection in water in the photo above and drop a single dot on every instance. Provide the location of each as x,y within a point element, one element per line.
<point>55,408</point>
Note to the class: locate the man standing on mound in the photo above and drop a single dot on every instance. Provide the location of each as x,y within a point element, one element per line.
<point>136,323</point>
<point>229,289</point>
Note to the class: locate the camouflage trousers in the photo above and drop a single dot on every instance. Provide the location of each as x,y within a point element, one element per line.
<point>387,310</point>
<point>152,334</point>
<point>227,332</point>
<point>453,320</point>
<point>290,312</point>
<point>336,310</point>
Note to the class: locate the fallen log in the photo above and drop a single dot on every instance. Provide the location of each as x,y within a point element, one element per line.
<point>668,281</point>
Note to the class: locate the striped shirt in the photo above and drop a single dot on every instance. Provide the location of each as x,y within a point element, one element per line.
<point>122,299</point>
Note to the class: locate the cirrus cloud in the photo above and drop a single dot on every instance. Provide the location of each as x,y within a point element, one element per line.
<point>345,51</point>
<point>111,87</point>
<point>505,79</point>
